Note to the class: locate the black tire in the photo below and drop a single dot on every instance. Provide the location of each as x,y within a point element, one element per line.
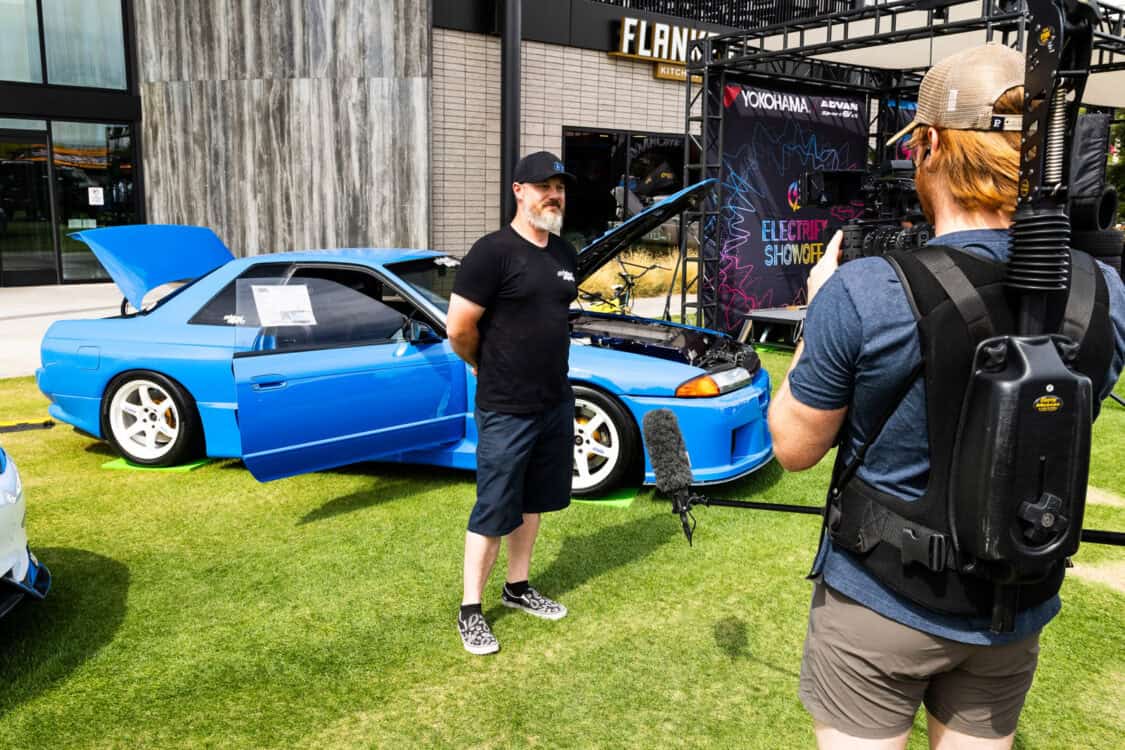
<point>619,434</point>
<point>181,416</point>
<point>1101,245</point>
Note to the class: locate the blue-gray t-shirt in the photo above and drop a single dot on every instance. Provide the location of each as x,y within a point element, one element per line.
<point>861,344</point>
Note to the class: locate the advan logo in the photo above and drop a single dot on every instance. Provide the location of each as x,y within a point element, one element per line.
<point>794,196</point>
<point>775,102</point>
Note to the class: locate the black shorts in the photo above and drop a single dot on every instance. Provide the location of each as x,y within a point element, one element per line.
<point>525,463</point>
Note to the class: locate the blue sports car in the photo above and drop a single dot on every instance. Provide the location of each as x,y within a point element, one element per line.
<point>302,361</point>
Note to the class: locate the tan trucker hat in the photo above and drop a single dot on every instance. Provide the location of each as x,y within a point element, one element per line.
<point>958,93</point>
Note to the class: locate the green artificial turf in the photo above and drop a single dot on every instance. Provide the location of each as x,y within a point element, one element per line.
<point>203,609</point>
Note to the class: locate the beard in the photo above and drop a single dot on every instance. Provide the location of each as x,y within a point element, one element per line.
<point>924,186</point>
<point>547,218</point>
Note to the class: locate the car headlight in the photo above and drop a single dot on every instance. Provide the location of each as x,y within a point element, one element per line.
<point>13,496</point>
<point>714,383</point>
<point>11,488</point>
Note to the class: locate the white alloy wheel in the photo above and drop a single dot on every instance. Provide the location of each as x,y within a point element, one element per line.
<point>597,445</point>
<point>144,419</point>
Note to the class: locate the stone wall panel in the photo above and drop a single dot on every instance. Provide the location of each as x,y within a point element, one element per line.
<point>288,124</point>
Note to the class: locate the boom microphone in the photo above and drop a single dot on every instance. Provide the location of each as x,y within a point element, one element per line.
<point>669,458</point>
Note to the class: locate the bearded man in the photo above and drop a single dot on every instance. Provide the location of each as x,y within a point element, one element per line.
<point>508,319</point>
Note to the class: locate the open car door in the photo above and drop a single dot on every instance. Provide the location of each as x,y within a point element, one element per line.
<point>332,376</point>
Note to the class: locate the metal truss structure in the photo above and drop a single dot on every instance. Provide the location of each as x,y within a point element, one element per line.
<point>787,53</point>
<point>739,14</point>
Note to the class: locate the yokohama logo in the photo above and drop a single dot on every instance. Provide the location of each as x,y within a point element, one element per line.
<point>754,99</point>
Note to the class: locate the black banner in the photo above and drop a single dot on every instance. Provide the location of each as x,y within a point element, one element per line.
<point>768,240</point>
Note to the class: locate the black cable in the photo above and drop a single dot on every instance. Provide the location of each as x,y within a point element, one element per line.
<point>1094,536</point>
<point>1090,536</point>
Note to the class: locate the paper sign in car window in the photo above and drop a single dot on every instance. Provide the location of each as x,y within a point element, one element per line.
<point>283,305</point>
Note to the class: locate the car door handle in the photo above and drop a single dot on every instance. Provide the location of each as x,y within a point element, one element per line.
<point>267,382</point>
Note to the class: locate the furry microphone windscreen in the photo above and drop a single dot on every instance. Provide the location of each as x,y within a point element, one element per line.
<point>666,451</point>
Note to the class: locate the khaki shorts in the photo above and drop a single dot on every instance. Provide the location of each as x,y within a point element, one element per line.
<point>865,675</point>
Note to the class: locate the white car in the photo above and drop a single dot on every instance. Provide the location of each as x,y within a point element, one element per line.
<point>23,574</point>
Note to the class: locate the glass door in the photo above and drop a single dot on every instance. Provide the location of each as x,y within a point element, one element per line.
<point>93,167</point>
<point>27,248</point>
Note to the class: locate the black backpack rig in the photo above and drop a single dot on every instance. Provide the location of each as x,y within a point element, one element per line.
<point>1009,419</point>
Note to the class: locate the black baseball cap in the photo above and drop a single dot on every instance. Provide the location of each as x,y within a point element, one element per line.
<point>540,167</point>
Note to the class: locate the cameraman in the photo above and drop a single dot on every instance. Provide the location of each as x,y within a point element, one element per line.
<point>871,655</point>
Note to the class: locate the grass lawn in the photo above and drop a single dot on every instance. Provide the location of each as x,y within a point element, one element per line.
<point>206,610</point>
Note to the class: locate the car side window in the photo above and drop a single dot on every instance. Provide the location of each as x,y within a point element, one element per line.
<point>347,308</point>
<point>226,309</point>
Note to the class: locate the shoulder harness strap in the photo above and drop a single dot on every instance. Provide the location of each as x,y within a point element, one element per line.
<point>961,291</point>
<point>1080,302</point>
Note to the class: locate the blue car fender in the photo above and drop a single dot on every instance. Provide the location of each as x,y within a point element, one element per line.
<point>627,373</point>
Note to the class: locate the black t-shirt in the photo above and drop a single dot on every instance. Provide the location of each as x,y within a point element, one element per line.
<point>526,291</point>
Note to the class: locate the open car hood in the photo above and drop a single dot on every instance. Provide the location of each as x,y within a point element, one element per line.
<point>605,248</point>
<point>141,257</point>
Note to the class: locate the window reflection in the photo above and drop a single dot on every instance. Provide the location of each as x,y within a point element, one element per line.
<point>619,175</point>
<point>36,125</point>
<point>85,43</point>
<point>19,42</point>
<point>94,180</point>
<point>27,253</point>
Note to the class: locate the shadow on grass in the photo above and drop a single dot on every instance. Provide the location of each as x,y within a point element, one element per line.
<point>384,492</point>
<point>748,487</point>
<point>395,482</point>
<point>583,558</point>
<point>100,449</point>
<point>44,642</point>
<point>732,638</point>
<point>413,472</point>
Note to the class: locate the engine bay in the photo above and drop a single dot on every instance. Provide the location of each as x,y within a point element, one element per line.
<point>704,349</point>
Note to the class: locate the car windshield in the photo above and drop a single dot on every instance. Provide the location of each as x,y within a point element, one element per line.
<point>430,277</point>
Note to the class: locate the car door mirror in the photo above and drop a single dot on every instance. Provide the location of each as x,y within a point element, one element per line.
<point>418,332</point>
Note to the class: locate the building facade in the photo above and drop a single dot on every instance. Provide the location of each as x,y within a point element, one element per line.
<point>69,146</point>
<point>593,110</point>
<point>294,124</point>
<point>288,125</point>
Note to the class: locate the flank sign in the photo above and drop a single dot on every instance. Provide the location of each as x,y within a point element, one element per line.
<point>663,44</point>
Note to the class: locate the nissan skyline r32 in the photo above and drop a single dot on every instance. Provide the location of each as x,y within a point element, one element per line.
<point>303,361</point>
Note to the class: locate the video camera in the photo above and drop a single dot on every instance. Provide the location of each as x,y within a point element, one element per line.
<point>891,219</point>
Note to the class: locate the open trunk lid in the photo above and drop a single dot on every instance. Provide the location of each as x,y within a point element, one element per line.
<point>141,257</point>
